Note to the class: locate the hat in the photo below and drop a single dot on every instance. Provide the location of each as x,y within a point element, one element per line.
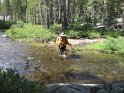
<point>63,35</point>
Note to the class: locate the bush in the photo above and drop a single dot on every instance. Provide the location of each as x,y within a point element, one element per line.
<point>90,34</point>
<point>80,27</point>
<point>30,32</point>
<point>6,24</point>
<point>72,34</point>
<point>111,33</point>
<point>56,28</point>
<point>10,82</point>
<point>20,24</point>
<point>93,34</point>
<point>87,26</point>
<point>11,22</point>
<point>122,33</point>
<point>111,45</point>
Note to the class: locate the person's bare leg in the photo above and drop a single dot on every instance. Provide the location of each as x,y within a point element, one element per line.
<point>65,53</point>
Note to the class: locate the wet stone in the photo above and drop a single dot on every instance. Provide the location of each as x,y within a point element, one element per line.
<point>85,88</point>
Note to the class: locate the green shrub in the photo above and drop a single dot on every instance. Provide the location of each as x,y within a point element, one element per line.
<point>111,45</point>
<point>56,28</point>
<point>83,34</point>
<point>93,34</point>
<point>87,26</point>
<point>6,24</point>
<point>29,31</point>
<point>90,34</point>
<point>72,34</point>
<point>111,33</point>
<point>80,27</point>
<point>122,33</point>
<point>11,22</point>
<point>20,24</point>
<point>10,82</point>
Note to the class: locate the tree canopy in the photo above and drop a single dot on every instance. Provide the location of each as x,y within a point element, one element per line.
<point>65,12</point>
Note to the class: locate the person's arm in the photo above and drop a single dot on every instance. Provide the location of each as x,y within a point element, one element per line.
<point>68,42</point>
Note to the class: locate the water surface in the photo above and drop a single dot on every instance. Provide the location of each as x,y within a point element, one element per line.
<point>81,66</point>
<point>41,62</point>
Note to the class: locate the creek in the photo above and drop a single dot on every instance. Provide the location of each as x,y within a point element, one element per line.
<point>40,62</point>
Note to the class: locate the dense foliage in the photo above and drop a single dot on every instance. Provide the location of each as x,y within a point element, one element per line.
<point>30,32</point>
<point>6,24</point>
<point>77,18</point>
<point>68,13</point>
<point>10,82</point>
<point>110,45</point>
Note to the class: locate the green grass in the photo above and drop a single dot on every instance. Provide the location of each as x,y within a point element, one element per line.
<point>121,45</point>
<point>95,46</point>
<point>118,44</point>
<point>30,32</point>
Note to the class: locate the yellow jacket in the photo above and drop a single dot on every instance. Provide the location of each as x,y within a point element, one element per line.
<point>62,41</point>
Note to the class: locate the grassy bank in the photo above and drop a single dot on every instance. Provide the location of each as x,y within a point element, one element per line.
<point>109,45</point>
<point>30,32</point>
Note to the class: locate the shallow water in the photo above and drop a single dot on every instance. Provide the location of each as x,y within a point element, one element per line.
<point>40,62</point>
<point>80,66</point>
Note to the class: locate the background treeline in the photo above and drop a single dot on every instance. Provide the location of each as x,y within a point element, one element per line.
<point>77,18</point>
<point>66,12</point>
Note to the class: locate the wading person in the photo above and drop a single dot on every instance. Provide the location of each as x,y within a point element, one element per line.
<point>62,41</point>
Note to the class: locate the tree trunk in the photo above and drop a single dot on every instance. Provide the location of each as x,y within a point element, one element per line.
<point>94,14</point>
<point>7,8</point>
<point>48,23</point>
<point>73,10</point>
<point>60,11</point>
<point>40,12</point>
<point>69,11</point>
<point>64,17</point>
<point>123,22</point>
<point>51,13</point>
<point>24,10</point>
<point>103,12</point>
<point>47,13</point>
